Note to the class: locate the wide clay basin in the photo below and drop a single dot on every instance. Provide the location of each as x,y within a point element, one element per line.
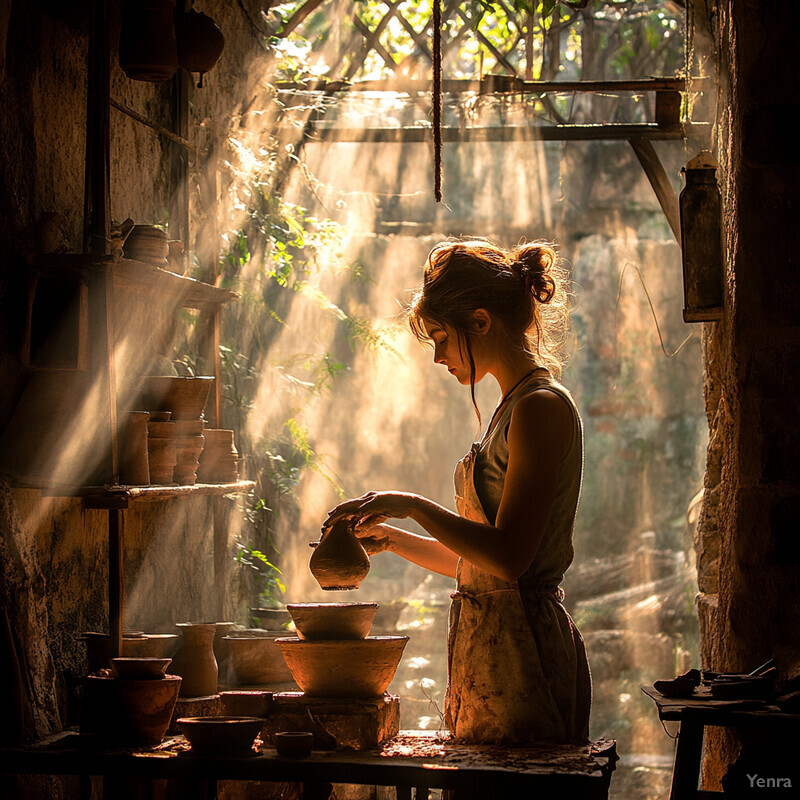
<point>332,620</point>
<point>349,668</point>
<point>220,734</point>
<point>256,659</point>
<point>140,669</point>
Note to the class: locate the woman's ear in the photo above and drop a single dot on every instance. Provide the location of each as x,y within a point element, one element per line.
<point>483,321</point>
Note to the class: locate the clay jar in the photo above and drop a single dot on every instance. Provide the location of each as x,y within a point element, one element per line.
<point>161,449</point>
<point>129,712</point>
<point>339,560</point>
<point>218,461</point>
<point>134,464</point>
<point>195,661</point>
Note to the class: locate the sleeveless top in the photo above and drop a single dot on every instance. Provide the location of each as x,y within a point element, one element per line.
<point>517,668</point>
<point>555,551</point>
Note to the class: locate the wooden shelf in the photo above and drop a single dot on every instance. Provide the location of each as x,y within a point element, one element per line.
<point>143,278</point>
<point>108,497</point>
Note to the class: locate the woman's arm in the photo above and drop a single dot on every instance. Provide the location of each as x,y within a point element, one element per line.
<point>539,435</point>
<point>421,550</point>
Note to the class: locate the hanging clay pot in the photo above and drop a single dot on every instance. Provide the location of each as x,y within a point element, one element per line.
<point>195,661</point>
<point>200,42</point>
<point>339,560</point>
<point>134,465</point>
<point>147,47</point>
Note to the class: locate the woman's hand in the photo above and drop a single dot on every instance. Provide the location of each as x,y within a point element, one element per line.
<point>371,509</point>
<point>375,538</point>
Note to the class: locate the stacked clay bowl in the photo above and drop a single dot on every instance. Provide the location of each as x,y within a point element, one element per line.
<point>333,656</point>
<point>185,398</point>
<point>147,243</point>
<point>321,621</point>
<point>161,448</point>
<point>344,668</point>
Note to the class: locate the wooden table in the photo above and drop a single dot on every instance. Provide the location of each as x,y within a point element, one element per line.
<point>699,710</point>
<point>413,760</point>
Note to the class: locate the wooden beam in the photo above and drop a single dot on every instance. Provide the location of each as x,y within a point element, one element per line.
<point>514,85</point>
<point>656,174</point>
<point>497,133</point>
<point>160,129</point>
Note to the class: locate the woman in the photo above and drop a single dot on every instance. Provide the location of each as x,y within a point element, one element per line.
<point>517,668</point>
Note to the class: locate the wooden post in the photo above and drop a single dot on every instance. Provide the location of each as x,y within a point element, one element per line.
<point>115,582</point>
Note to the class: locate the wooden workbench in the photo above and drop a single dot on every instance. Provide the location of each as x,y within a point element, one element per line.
<point>418,760</point>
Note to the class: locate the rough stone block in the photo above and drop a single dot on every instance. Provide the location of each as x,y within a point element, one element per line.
<point>337,723</point>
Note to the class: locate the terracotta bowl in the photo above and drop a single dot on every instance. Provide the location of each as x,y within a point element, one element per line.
<point>140,669</point>
<point>332,620</point>
<point>255,659</point>
<point>214,734</point>
<point>349,668</point>
<point>184,397</point>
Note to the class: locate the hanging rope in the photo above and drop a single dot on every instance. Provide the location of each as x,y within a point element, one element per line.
<point>437,100</point>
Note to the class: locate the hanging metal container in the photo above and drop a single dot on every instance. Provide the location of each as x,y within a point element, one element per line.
<point>200,42</point>
<point>147,47</point>
<point>701,240</point>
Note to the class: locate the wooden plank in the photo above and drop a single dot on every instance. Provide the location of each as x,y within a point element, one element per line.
<point>544,133</point>
<point>160,129</point>
<point>514,85</point>
<point>656,174</point>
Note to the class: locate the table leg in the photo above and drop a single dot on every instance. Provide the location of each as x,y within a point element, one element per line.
<point>688,754</point>
<point>421,793</point>
<point>402,792</point>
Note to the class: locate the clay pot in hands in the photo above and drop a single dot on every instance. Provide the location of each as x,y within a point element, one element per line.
<point>339,560</point>
<point>195,661</point>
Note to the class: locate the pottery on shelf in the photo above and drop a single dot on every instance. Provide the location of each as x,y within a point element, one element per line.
<point>162,458</point>
<point>147,243</point>
<point>332,620</point>
<point>140,669</point>
<point>347,668</point>
<point>129,712</point>
<point>271,619</point>
<point>213,735</point>
<point>255,658</point>
<point>98,648</point>
<point>187,454</point>
<point>219,459</point>
<point>339,561</point>
<point>294,744</point>
<point>134,464</point>
<point>156,645</point>
<point>185,397</point>
<point>195,661</point>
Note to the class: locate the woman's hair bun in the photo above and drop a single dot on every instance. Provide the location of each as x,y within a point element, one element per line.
<point>532,262</point>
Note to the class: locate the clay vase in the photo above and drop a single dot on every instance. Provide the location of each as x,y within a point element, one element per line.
<point>187,455</point>
<point>195,661</point>
<point>339,560</point>
<point>134,463</point>
<point>218,461</point>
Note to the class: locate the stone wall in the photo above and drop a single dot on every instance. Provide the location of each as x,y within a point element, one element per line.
<point>53,554</point>
<point>747,541</point>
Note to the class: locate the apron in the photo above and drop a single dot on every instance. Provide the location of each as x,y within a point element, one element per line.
<point>517,668</point>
